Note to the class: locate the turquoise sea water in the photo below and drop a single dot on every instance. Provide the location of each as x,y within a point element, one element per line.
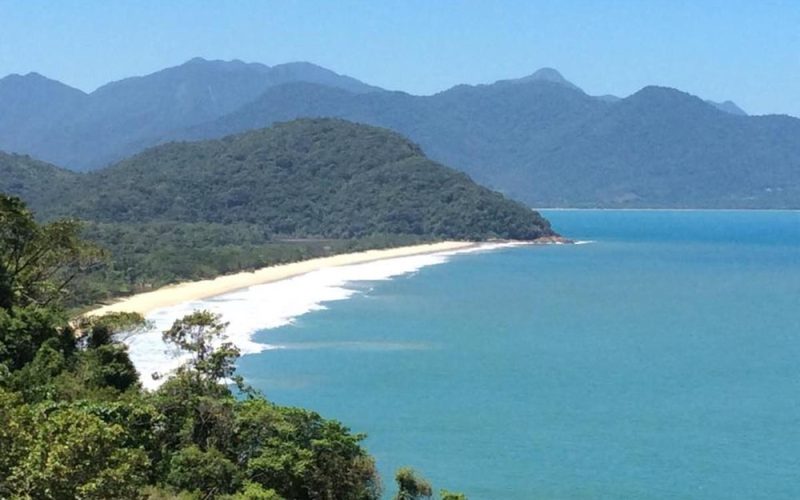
<point>660,361</point>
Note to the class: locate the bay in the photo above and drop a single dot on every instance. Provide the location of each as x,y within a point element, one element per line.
<point>660,360</point>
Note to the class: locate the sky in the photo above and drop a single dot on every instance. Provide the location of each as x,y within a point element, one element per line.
<point>744,50</point>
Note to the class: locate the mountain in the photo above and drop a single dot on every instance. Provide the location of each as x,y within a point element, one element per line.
<point>39,184</point>
<point>62,125</point>
<point>728,107</point>
<point>33,109</point>
<point>303,189</point>
<point>305,179</point>
<point>308,72</point>
<point>548,144</point>
<point>544,75</point>
<point>665,148</point>
<point>539,139</point>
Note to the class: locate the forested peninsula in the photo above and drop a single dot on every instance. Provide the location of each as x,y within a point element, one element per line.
<point>301,189</point>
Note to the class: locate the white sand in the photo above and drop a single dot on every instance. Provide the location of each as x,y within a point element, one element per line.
<point>172,295</point>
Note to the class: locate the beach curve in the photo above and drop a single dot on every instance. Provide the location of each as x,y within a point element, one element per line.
<point>172,295</point>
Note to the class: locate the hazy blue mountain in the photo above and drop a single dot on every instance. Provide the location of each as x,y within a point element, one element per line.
<point>608,98</point>
<point>308,72</point>
<point>665,148</point>
<point>34,108</point>
<point>59,124</point>
<point>539,138</point>
<point>549,144</point>
<point>728,107</point>
<point>544,75</point>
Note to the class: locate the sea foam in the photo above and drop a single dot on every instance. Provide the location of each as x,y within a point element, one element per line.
<point>271,305</point>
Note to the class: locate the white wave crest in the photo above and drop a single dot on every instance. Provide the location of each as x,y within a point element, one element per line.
<point>271,305</point>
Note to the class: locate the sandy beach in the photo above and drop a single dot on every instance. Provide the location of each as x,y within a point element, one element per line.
<point>171,295</point>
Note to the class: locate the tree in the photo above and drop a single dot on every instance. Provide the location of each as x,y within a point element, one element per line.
<point>70,453</point>
<point>411,486</point>
<point>303,456</point>
<point>449,495</point>
<point>38,262</point>
<point>208,472</point>
<point>253,491</point>
<point>200,334</point>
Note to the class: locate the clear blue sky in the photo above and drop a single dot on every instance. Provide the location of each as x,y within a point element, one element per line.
<point>744,50</point>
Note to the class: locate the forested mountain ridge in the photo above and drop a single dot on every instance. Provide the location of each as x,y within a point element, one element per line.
<point>307,178</point>
<point>539,139</point>
<point>306,188</point>
<point>38,183</point>
<point>548,144</point>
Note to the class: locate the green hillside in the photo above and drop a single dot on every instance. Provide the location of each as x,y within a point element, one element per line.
<point>308,178</point>
<point>40,184</point>
<point>297,190</point>
<point>548,144</point>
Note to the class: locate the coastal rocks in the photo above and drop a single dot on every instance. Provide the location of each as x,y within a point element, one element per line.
<point>552,240</point>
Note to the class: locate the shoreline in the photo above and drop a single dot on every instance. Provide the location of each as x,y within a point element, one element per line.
<point>568,209</point>
<point>172,295</point>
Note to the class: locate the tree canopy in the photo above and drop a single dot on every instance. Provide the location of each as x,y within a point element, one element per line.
<point>76,423</point>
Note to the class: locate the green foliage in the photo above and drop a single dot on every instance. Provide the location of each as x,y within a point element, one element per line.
<point>308,178</point>
<point>109,366</point>
<point>449,495</point>
<point>411,486</point>
<point>208,472</point>
<point>294,452</point>
<point>36,182</point>
<point>253,491</point>
<point>199,334</point>
<point>552,146</point>
<point>70,453</point>
<point>75,422</point>
<point>300,455</point>
<point>303,189</point>
<point>24,329</point>
<point>38,262</point>
<point>149,255</point>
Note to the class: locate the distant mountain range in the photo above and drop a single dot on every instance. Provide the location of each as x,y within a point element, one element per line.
<point>539,139</point>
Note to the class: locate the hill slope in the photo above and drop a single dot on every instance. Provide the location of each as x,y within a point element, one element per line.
<point>303,189</point>
<point>548,144</point>
<point>308,178</point>
<point>57,123</point>
<point>39,184</point>
<point>539,139</point>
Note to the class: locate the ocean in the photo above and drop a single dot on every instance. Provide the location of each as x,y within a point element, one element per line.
<point>660,359</point>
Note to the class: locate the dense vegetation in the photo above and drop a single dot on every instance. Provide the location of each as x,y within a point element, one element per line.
<point>548,144</point>
<point>75,422</point>
<point>39,184</point>
<point>148,255</point>
<point>304,179</point>
<point>301,189</point>
<point>539,139</point>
